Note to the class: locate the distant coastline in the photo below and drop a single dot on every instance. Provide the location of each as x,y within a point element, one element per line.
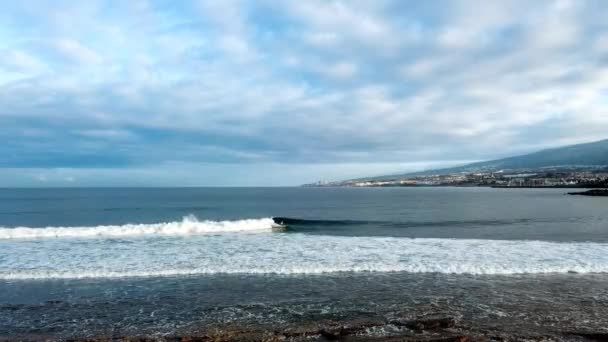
<point>574,166</point>
<point>522,178</point>
<point>595,192</point>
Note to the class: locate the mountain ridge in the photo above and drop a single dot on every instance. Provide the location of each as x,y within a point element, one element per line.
<point>584,155</point>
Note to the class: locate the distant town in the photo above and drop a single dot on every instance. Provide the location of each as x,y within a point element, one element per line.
<point>573,166</point>
<point>543,178</point>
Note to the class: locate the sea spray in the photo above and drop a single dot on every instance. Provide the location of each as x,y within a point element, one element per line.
<point>189,225</point>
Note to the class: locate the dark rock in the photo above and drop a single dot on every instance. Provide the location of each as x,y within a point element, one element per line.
<point>427,323</point>
<point>360,325</point>
<point>594,192</point>
<point>452,339</point>
<point>331,335</point>
<point>592,336</point>
<point>11,307</point>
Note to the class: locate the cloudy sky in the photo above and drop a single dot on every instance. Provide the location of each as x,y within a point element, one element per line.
<point>286,92</point>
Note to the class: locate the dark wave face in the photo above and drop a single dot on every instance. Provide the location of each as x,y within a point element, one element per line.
<point>436,228</point>
<point>296,222</point>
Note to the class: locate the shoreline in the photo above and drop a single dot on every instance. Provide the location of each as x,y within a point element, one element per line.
<point>389,307</point>
<point>436,327</point>
<point>457,186</point>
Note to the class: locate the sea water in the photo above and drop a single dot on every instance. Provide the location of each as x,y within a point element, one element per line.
<point>186,258</point>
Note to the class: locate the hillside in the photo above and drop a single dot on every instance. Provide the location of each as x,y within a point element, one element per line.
<point>582,155</point>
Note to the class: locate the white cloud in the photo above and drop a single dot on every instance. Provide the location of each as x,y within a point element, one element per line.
<point>554,32</point>
<point>19,61</point>
<point>77,52</point>
<point>601,43</point>
<point>237,48</point>
<point>329,20</point>
<point>303,82</point>
<point>17,65</point>
<point>340,70</point>
<point>421,69</point>
<point>456,37</point>
<point>474,23</point>
<point>322,39</point>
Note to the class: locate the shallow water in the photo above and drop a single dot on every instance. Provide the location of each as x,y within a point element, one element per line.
<point>178,306</point>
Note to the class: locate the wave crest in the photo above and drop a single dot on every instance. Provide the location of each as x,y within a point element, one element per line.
<point>189,225</point>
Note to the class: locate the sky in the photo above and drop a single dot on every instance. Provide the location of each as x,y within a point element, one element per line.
<point>265,93</point>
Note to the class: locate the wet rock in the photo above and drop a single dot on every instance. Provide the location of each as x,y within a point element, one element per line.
<point>419,338</point>
<point>331,335</point>
<point>361,325</point>
<point>427,323</point>
<point>452,339</point>
<point>229,335</point>
<point>591,336</point>
<point>335,331</point>
<point>305,330</point>
<point>594,192</point>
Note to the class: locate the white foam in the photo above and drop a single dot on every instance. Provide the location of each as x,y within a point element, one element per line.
<point>290,253</point>
<point>189,225</point>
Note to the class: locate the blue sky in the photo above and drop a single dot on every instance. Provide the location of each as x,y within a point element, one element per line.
<point>286,92</point>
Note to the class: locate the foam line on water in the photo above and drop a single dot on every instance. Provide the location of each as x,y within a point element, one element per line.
<point>189,225</point>
<point>288,254</point>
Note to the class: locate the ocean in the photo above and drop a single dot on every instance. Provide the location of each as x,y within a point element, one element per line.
<point>161,262</point>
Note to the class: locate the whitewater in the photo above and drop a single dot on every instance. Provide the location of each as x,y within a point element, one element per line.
<point>254,246</point>
<point>189,225</point>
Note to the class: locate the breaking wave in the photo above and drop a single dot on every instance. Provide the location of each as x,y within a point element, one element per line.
<point>189,225</point>
<point>290,254</point>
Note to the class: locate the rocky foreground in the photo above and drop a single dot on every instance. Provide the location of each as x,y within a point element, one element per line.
<point>375,307</point>
<point>430,328</point>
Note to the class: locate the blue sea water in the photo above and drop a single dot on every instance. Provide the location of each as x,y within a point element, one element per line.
<point>192,257</point>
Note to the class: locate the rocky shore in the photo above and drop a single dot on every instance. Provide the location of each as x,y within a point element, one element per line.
<point>375,307</point>
<point>594,192</point>
<point>435,328</point>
